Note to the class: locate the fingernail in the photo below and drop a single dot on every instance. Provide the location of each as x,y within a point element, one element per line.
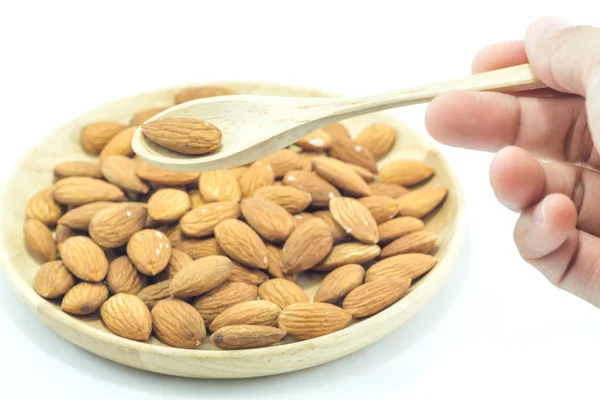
<point>539,213</point>
<point>550,24</point>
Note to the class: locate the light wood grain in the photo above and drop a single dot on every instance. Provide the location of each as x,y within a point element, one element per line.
<point>34,172</point>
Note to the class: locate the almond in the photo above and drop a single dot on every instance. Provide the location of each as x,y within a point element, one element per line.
<point>178,260</point>
<point>318,140</point>
<point>387,189</point>
<point>364,173</point>
<point>417,242</point>
<point>142,116</point>
<point>341,175</point>
<point>201,221</point>
<point>351,152</point>
<point>219,186</point>
<point>213,303</point>
<point>80,217</point>
<point>63,232</point>
<point>258,175</point>
<point>306,159</point>
<point>355,218</point>
<point>196,199</point>
<point>168,205</point>
<point>84,258</point>
<point>382,208</point>
<point>178,324</point>
<point>320,190</point>
<point>77,168</point>
<point>282,292</point>
<point>283,161</point>
<point>84,298</point>
<point>154,174</point>
<point>122,277</point>
<point>198,248</point>
<point>113,226</point>
<point>420,202</point>
<point>292,199</point>
<point>398,227</point>
<point>39,240</point>
<point>303,217</point>
<point>200,276</point>
<point>375,296</point>
<point>150,251</point>
<point>152,294</point>
<point>246,337</point>
<point>405,172</point>
<point>337,131</point>
<point>251,276</point>
<point>274,257</point>
<point>411,266</point>
<point>43,208</point>
<point>304,321</point>
<point>120,144</point>
<point>126,315</point>
<point>121,171</point>
<point>256,312</point>
<point>183,135</point>
<point>268,219</point>
<point>241,243</point>
<point>173,233</point>
<point>202,92</point>
<point>237,172</point>
<point>96,135</point>
<point>348,253</point>
<point>339,282</point>
<point>76,191</point>
<point>379,138</point>
<point>339,233</point>
<point>307,245</point>
<point>53,280</point>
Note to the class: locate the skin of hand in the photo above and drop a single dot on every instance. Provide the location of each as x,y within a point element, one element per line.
<point>546,166</point>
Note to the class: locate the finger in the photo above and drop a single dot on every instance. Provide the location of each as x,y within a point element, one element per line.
<point>499,55</point>
<point>549,127</point>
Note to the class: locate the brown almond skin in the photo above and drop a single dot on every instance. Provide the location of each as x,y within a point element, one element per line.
<point>341,175</point>
<point>259,174</point>
<point>127,316</point>
<point>84,258</point>
<point>398,227</point>
<point>364,173</point>
<point>150,251</point>
<point>113,226</point>
<point>43,208</point>
<point>201,221</point>
<point>378,138</point>
<point>307,246</point>
<point>351,152</point>
<point>196,199</point>
<point>154,174</point>
<point>200,276</point>
<point>253,276</point>
<point>417,242</point>
<point>76,191</point>
<point>337,131</point>
<point>80,217</point>
<point>304,321</point>
<point>282,161</point>
<point>178,324</point>
<point>318,140</point>
<point>62,233</point>
<point>119,145</point>
<point>150,295</point>
<point>53,280</point>
<point>274,269</point>
<point>84,298</point>
<point>77,168</point>
<point>375,296</point>
<point>96,135</point>
<point>168,205</point>
<point>303,217</point>
<point>39,241</point>
<point>382,208</point>
<point>183,135</point>
<point>293,200</point>
<point>201,92</point>
<point>255,312</point>
<point>420,202</point>
<point>238,337</point>
<point>339,282</point>
<point>411,266</point>
<point>241,243</point>
<point>224,296</point>
<point>123,277</point>
<point>268,219</point>
<point>348,253</point>
<point>306,159</point>
<point>198,248</point>
<point>219,186</point>
<point>121,171</point>
<point>237,172</point>
<point>405,172</point>
<point>387,189</point>
<point>178,260</point>
<point>339,233</point>
<point>355,218</point>
<point>319,189</point>
<point>282,292</point>
<point>142,116</point>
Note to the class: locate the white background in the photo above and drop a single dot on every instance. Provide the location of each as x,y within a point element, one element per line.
<point>497,329</point>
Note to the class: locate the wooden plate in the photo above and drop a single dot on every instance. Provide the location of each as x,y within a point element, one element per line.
<point>34,173</point>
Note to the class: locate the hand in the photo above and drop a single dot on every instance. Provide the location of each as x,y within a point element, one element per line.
<point>558,230</point>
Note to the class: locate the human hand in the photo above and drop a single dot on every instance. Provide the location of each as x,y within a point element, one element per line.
<point>558,231</point>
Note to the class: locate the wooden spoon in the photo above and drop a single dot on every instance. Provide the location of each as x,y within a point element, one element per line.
<point>254,126</point>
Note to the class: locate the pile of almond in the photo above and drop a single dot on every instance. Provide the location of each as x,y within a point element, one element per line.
<point>178,254</point>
